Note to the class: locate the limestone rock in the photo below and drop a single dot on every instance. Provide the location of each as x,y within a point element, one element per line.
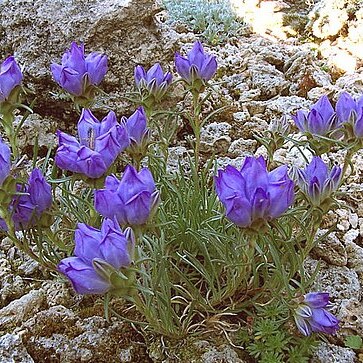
<point>332,353</point>
<point>39,31</point>
<point>12,349</point>
<point>330,249</point>
<point>20,309</point>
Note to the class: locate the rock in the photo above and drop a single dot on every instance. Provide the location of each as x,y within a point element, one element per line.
<point>242,147</point>
<point>326,352</point>
<point>330,249</point>
<point>12,350</point>
<point>339,281</point>
<point>355,259</point>
<point>37,128</point>
<point>39,31</point>
<point>19,310</point>
<point>351,317</point>
<point>176,155</point>
<point>12,287</point>
<point>268,80</point>
<point>328,17</point>
<point>222,354</point>
<point>287,105</point>
<point>58,293</point>
<point>90,339</point>
<point>215,137</point>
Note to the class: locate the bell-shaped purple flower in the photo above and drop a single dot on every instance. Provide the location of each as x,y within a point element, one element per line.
<point>136,127</point>
<point>5,162</point>
<point>197,66</point>
<point>98,255</point>
<point>98,145</point>
<point>317,182</point>
<point>155,81</point>
<point>312,315</point>
<point>36,197</point>
<point>131,200</point>
<point>320,120</point>
<point>77,72</point>
<point>350,111</point>
<point>253,194</point>
<point>10,77</point>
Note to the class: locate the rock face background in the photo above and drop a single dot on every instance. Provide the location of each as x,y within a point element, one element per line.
<point>38,32</point>
<point>260,77</point>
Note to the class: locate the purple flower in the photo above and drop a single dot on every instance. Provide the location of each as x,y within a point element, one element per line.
<point>253,194</point>
<point>134,198</point>
<point>77,72</point>
<point>154,80</point>
<point>5,162</point>
<point>10,77</point>
<point>350,111</point>
<point>197,66</point>
<point>99,255</point>
<point>136,127</point>
<point>98,145</point>
<point>317,182</point>
<point>36,197</point>
<point>311,316</point>
<point>320,120</point>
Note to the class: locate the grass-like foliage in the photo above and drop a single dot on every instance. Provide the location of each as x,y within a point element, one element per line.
<point>214,20</point>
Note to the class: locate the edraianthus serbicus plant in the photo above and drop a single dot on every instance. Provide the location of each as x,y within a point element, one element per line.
<point>27,208</point>
<point>317,182</point>
<point>79,74</point>
<point>100,255</point>
<point>252,195</point>
<point>350,112</point>
<point>320,120</point>
<point>134,197</point>
<point>197,68</point>
<point>154,81</point>
<point>97,146</point>
<point>312,314</point>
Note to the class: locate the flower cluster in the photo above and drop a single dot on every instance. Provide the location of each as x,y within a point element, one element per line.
<point>99,255</point>
<point>350,111</point>
<point>98,145</point>
<point>154,81</point>
<point>78,74</point>
<point>197,68</point>
<point>317,182</point>
<point>33,199</point>
<point>134,197</point>
<point>320,120</point>
<point>254,195</point>
<point>312,315</point>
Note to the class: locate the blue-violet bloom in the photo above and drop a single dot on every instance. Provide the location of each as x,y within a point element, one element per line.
<point>26,209</point>
<point>78,71</point>
<point>317,182</point>
<point>196,66</point>
<point>131,200</point>
<point>98,145</point>
<point>136,128</point>
<point>312,315</point>
<point>10,77</point>
<point>253,194</point>
<point>155,81</point>
<point>99,253</point>
<point>5,162</point>
<point>320,120</point>
<point>350,111</point>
